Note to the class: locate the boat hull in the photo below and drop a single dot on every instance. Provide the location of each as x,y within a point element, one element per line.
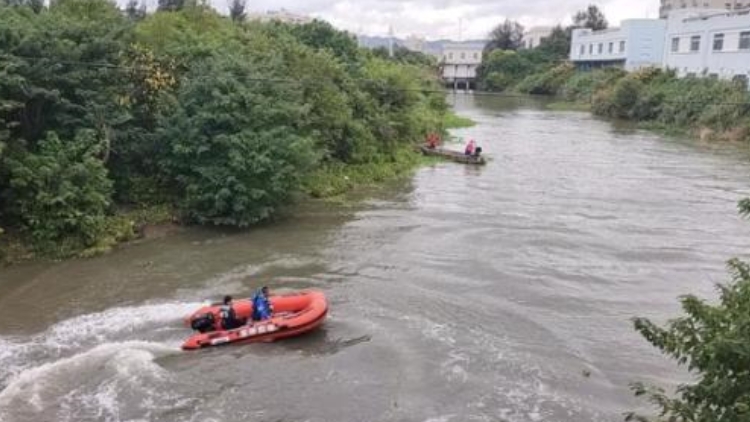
<point>294,314</point>
<point>454,156</point>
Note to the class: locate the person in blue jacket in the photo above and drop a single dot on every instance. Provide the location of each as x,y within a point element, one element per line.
<point>262,309</point>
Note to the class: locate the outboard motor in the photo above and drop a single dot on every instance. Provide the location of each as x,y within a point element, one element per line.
<point>203,323</point>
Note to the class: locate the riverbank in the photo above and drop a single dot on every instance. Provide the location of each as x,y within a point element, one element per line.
<point>131,223</point>
<point>704,108</point>
<point>189,126</point>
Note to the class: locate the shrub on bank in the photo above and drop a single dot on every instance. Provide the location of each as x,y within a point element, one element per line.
<point>189,110</point>
<point>60,192</point>
<point>548,82</point>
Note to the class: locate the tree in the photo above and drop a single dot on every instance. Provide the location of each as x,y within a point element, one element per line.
<point>135,11</point>
<point>170,5</point>
<point>713,341</point>
<point>502,68</point>
<point>36,5</point>
<point>591,18</point>
<point>232,146</point>
<point>506,36</point>
<point>237,10</point>
<point>61,192</point>
<point>557,45</point>
<point>321,35</point>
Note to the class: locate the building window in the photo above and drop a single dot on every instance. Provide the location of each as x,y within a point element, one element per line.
<point>463,56</point>
<point>695,43</point>
<point>582,50</point>
<point>450,56</point>
<point>622,46</point>
<point>718,42</point>
<point>611,48</point>
<point>600,49</point>
<point>591,49</point>
<point>476,56</point>
<point>675,44</point>
<point>745,40</point>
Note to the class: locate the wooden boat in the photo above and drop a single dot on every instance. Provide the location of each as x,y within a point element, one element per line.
<point>456,156</point>
<point>294,314</point>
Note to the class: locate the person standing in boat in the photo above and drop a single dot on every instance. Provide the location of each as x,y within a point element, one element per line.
<point>229,320</point>
<point>262,308</point>
<point>470,148</point>
<point>433,140</point>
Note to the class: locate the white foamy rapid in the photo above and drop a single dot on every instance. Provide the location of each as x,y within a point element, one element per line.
<point>87,367</point>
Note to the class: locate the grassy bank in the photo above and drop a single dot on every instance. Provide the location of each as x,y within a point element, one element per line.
<point>454,121</point>
<point>702,107</point>
<point>336,179</point>
<point>186,106</point>
<point>122,226</point>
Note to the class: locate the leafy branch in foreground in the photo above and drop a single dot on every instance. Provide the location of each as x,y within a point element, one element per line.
<point>713,342</point>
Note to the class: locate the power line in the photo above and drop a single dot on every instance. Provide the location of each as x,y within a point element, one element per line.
<point>113,66</point>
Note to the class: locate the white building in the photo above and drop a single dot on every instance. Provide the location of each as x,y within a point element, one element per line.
<point>460,62</point>
<point>711,43</point>
<point>668,6</point>
<point>281,15</point>
<point>534,36</point>
<point>415,43</point>
<point>637,43</point>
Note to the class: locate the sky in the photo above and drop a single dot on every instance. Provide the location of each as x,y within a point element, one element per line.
<point>435,19</point>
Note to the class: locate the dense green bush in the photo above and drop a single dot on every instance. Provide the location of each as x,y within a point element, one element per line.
<point>549,82</point>
<point>219,119</point>
<point>500,69</point>
<point>62,191</point>
<point>583,85</point>
<point>233,149</point>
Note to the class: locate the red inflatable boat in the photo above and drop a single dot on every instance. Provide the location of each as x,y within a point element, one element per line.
<point>294,314</point>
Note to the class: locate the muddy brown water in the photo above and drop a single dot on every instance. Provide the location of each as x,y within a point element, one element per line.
<point>460,294</point>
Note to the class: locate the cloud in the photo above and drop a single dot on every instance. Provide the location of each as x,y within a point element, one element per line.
<point>435,19</point>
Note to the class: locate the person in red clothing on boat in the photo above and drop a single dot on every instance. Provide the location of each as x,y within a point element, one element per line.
<point>433,140</point>
<point>472,149</point>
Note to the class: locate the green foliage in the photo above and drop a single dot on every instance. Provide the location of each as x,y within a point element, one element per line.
<point>233,148</point>
<point>135,11</point>
<point>190,110</point>
<point>582,85</point>
<point>454,121</point>
<point>404,55</point>
<point>505,36</point>
<point>237,10</point>
<point>744,207</point>
<point>591,18</point>
<point>556,46</point>
<point>41,86</point>
<point>547,83</point>
<point>502,68</point>
<point>336,178</point>
<point>713,342</point>
<point>61,192</point>
<point>170,5</point>
<point>321,35</point>
<point>659,97</point>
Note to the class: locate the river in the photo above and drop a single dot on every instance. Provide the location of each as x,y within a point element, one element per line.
<point>461,294</point>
